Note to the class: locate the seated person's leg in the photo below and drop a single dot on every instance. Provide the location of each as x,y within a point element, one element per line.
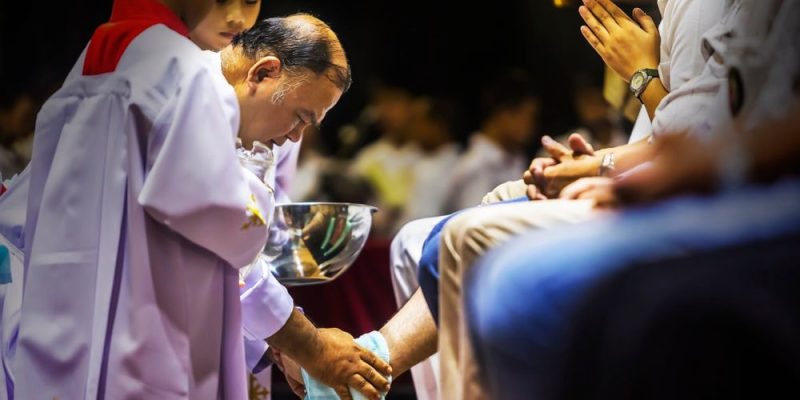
<point>406,251</point>
<point>506,191</point>
<point>464,239</point>
<point>410,335</point>
<point>429,261</point>
<point>522,292</point>
<point>413,322</point>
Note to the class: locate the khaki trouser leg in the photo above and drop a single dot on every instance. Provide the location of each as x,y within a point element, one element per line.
<point>465,239</point>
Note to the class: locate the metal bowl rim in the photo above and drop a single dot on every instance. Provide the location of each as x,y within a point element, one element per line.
<point>327,203</point>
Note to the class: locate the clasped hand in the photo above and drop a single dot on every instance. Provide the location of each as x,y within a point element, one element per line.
<point>547,176</point>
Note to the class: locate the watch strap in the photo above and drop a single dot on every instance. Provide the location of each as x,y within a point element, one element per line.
<point>651,72</point>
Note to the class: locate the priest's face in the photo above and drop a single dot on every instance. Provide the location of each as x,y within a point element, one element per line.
<point>280,109</point>
<point>226,19</point>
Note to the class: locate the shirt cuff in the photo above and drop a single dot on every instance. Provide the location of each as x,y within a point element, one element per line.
<point>266,304</point>
<point>255,351</point>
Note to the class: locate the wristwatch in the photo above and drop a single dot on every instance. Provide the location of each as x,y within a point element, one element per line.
<point>641,79</point>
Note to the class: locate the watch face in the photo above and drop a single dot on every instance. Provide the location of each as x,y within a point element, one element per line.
<point>636,81</point>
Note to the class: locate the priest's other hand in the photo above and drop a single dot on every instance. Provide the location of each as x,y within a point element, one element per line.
<point>291,370</point>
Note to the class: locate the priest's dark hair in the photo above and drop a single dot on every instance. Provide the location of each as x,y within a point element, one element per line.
<point>299,41</point>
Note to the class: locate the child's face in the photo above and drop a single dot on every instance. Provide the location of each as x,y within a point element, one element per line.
<point>226,19</point>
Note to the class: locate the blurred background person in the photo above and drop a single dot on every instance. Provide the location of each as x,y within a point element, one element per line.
<point>19,103</point>
<point>312,162</point>
<point>432,129</point>
<point>17,116</point>
<point>388,163</point>
<point>598,122</point>
<point>499,150</point>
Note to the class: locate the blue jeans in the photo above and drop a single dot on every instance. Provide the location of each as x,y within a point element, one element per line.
<point>429,262</point>
<point>520,295</point>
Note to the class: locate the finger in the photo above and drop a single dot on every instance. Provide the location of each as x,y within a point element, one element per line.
<point>360,384</point>
<point>277,360</point>
<point>377,380</point>
<point>370,358</point>
<point>528,178</point>
<point>579,145</point>
<point>541,196</point>
<point>596,44</point>
<point>615,12</point>
<point>298,388</point>
<point>540,180</point>
<point>555,149</point>
<point>588,194</point>
<point>541,163</point>
<point>532,192</point>
<point>603,197</point>
<point>594,24</point>
<point>645,21</point>
<point>602,14</point>
<point>574,190</point>
<point>556,178</point>
<point>343,392</point>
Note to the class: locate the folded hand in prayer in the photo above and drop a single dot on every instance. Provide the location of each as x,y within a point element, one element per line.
<point>625,44</point>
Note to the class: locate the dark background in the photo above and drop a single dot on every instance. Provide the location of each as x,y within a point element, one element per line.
<point>431,47</point>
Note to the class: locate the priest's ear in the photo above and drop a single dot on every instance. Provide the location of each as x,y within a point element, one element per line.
<point>264,68</point>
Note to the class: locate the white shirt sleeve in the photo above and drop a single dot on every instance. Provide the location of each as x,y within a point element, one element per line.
<point>683,72</point>
<point>642,128</point>
<point>254,350</point>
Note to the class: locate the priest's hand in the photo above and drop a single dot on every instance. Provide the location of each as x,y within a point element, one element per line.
<point>291,370</point>
<point>341,363</point>
<point>332,357</point>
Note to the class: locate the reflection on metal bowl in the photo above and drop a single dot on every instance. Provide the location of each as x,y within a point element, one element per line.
<point>313,243</point>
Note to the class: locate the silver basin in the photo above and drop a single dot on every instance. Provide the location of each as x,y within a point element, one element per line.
<point>312,243</point>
